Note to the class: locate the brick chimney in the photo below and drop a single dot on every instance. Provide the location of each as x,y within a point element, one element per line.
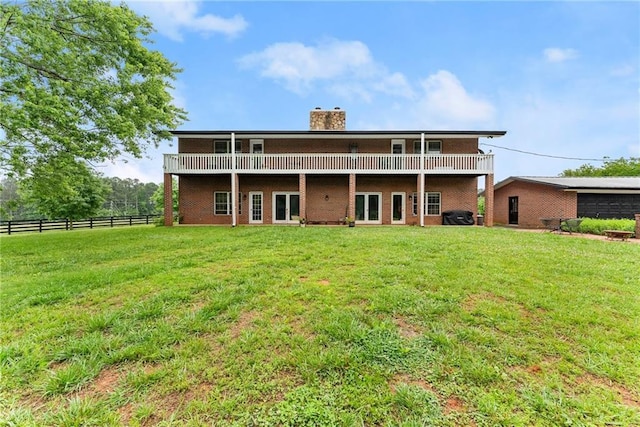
<point>335,119</point>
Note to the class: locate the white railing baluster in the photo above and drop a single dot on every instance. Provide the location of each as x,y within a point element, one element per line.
<point>363,163</point>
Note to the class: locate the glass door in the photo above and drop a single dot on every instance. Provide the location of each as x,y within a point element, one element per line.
<point>513,210</point>
<point>397,208</point>
<point>368,207</point>
<point>285,206</point>
<point>255,207</point>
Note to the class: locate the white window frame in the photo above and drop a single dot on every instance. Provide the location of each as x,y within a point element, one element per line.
<point>427,148</point>
<point>414,203</point>
<point>398,142</point>
<point>252,207</point>
<point>255,143</point>
<point>227,203</point>
<point>227,145</point>
<point>427,204</point>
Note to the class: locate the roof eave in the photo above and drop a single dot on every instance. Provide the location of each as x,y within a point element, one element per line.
<point>329,134</point>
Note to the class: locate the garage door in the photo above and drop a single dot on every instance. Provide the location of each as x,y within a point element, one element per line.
<point>608,205</point>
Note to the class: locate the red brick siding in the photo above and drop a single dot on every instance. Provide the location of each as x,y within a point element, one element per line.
<point>168,199</point>
<point>196,198</point>
<point>276,146</point>
<point>327,196</point>
<point>535,201</point>
<point>197,192</point>
<point>489,200</point>
<point>333,207</point>
<point>456,193</point>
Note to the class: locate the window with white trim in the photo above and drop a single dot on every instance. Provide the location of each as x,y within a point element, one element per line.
<point>430,147</point>
<point>397,146</point>
<point>414,204</point>
<point>222,146</point>
<point>222,203</point>
<point>432,201</point>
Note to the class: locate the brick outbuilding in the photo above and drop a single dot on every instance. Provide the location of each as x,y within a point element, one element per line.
<point>525,200</point>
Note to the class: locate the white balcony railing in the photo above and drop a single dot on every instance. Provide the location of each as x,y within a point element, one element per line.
<point>328,163</point>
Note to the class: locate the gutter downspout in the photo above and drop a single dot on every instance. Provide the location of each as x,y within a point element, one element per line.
<point>421,189</point>
<point>234,202</point>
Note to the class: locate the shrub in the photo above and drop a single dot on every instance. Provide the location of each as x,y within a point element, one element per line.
<point>597,225</point>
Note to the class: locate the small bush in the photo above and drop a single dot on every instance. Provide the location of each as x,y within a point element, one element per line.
<point>597,226</point>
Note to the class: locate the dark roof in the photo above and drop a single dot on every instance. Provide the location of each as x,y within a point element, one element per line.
<point>579,183</point>
<point>344,134</point>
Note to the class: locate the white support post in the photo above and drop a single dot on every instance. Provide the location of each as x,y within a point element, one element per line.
<point>421,187</point>
<point>234,195</point>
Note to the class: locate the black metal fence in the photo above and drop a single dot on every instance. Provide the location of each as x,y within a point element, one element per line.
<point>40,225</point>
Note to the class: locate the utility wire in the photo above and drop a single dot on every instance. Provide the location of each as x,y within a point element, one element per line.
<point>544,155</point>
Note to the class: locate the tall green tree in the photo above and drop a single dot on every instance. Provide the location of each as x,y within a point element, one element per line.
<point>77,78</point>
<point>12,203</point>
<point>65,188</point>
<point>615,167</point>
<point>158,196</point>
<point>129,197</point>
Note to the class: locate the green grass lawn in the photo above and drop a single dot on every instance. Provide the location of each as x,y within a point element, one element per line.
<point>318,326</point>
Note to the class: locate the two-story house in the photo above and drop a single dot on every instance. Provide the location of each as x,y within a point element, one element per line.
<point>327,174</point>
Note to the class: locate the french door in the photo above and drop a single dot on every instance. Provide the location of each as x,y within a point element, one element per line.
<point>255,207</point>
<point>368,207</point>
<point>285,206</point>
<point>397,208</point>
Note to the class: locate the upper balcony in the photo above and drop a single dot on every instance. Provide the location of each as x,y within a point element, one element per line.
<point>360,163</point>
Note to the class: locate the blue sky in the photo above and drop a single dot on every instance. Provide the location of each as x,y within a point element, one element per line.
<point>562,78</point>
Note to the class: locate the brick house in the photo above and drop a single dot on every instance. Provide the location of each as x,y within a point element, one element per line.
<point>524,200</point>
<point>326,174</point>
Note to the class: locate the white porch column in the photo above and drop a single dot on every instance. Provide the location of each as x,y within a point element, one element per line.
<point>421,184</point>
<point>234,192</point>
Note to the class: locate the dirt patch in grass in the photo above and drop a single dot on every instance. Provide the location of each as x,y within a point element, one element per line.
<point>106,381</point>
<point>471,303</point>
<point>104,384</point>
<point>244,322</point>
<point>625,395</point>
<point>324,282</point>
<point>452,404</point>
<point>406,379</point>
<point>407,329</point>
<point>126,412</point>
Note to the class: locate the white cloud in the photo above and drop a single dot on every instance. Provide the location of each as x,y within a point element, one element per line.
<point>395,84</point>
<point>134,169</point>
<point>297,66</point>
<point>446,101</point>
<point>173,17</point>
<point>623,71</point>
<point>556,54</point>
<point>348,70</point>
